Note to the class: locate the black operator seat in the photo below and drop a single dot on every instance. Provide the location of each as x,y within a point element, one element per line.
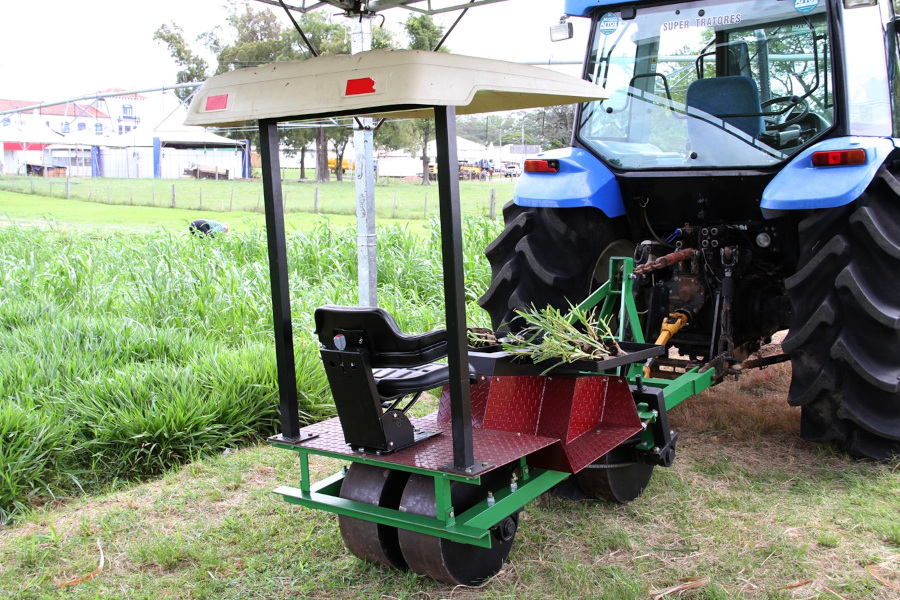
<point>401,364</point>
<point>371,366</point>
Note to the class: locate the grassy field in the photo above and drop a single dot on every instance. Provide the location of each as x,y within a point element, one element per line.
<point>24,209</point>
<point>138,374</point>
<point>747,511</point>
<point>393,199</point>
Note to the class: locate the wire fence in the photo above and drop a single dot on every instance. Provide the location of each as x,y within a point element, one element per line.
<point>393,199</point>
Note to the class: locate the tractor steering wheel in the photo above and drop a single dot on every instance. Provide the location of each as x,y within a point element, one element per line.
<point>790,116</point>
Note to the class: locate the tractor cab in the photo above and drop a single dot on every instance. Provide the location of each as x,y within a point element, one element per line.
<point>728,83</point>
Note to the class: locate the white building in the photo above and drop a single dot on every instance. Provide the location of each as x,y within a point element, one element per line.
<point>121,135</point>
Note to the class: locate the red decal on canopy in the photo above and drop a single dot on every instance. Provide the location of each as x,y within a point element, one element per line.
<point>216,102</point>
<point>355,87</point>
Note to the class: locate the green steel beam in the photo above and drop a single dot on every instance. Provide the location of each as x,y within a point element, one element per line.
<point>385,516</point>
<point>472,527</point>
<point>369,460</point>
<point>594,299</point>
<point>617,296</point>
<point>684,386</point>
<point>507,501</point>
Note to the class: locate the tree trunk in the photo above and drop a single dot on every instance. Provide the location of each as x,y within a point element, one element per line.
<point>322,174</point>
<point>426,176</point>
<point>339,163</point>
<point>303,163</point>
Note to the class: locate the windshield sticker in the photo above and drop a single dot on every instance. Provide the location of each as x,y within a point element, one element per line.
<point>608,24</point>
<point>732,19</point>
<point>805,6</point>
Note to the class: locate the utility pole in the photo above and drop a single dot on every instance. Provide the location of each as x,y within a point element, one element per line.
<point>367,266</point>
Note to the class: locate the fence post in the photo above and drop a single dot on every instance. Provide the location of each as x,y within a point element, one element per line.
<point>493,204</point>
<point>152,195</point>
<point>173,195</point>
<point>201,197</point>
<point>231,200</point>
<point>31,179</point>
<point>425,210</point>
<point>67,184</point>
<point>90,191</point>
<point>316,200</point>
<point>108,194</point>
<point>258,198</point>
<point>394,212</point>
<point>131,195</point>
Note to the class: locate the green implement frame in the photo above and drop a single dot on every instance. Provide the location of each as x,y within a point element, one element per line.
<point>616,301</point>
<point>471,527</point>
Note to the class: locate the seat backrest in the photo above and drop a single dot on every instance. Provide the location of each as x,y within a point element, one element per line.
<point>737,59</point>
<point>733,95</point>
<point>375,330</point>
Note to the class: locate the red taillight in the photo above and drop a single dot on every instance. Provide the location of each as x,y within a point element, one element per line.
<point>835,158</point>
<point>542,166</point>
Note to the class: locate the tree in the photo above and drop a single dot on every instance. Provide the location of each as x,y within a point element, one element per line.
<point>294,140</point>
<point>424,34</point>
<point>259,39</point>
<point>254,37</point>
<point>193,67</point>
<point>340,137</point>
<point>326,37</point>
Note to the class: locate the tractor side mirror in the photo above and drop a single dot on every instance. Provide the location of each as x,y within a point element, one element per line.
<point>562,31</point>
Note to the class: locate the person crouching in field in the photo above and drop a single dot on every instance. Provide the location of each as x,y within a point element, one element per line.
<point>203,228</point>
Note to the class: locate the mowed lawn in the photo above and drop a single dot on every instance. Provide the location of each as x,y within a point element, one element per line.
<point>27,209</point>
<point>395,200</point>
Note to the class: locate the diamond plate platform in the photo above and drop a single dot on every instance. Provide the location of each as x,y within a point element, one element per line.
<point>497,448</point>
<point>587,416</point>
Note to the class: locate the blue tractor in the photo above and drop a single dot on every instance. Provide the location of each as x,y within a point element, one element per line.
<point>745,158</point>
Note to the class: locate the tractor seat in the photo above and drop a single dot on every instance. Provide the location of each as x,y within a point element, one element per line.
<point>394,383</point>
<point>401,364</point>
<point>371,366</point>
<point>735,99</point>
<point>374,330</point>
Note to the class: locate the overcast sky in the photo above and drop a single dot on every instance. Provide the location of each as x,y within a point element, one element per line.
<point>59,49</point>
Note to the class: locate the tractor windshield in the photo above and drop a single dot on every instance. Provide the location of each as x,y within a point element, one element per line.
<point>721,83</point>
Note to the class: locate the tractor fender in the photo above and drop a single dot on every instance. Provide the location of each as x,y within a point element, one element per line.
<point>801,186</point>
<point>582,180</point>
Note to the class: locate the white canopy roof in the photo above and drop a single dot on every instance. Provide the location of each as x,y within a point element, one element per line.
<point>398,83</point>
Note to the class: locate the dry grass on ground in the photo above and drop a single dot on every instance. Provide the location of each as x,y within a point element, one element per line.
<point>747,511</point>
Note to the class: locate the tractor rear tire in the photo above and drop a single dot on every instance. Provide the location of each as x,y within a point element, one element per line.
<point>549,257</point>
<point>844,339</point>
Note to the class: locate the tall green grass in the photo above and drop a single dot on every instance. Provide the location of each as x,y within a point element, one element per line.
<point>124,355</point>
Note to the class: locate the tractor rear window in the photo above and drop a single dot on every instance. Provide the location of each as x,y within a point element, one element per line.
<point>712,84</point>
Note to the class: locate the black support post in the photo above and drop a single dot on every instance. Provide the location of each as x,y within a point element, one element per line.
<point>278,274</point>
<point>454,290</point>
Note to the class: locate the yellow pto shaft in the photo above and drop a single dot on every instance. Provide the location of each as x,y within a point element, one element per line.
<point>670,326</point>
